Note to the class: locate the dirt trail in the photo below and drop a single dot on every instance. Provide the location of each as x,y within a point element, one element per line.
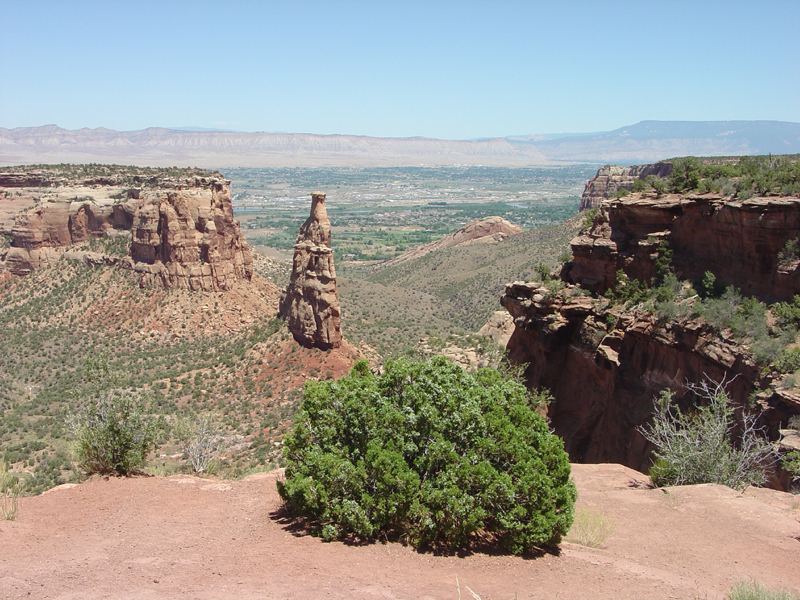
<point>186,537</point>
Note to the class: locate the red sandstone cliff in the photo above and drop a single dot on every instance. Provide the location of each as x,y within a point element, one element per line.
<point>611,178</point>
<point>738,241</point>
<point>605,367</point>
<point>189,238</point>
<point>605,372</point>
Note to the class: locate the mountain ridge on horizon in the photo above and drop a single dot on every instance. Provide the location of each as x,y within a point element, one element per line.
<point>646,141</point>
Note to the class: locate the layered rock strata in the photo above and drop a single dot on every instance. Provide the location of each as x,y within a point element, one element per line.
<point>189,238</point>
<point>741,242</point>
<point>39,233</point>
<point>182,230</point>
<point>612,178</point>
<point>605,369</point>
<point>310,304</point>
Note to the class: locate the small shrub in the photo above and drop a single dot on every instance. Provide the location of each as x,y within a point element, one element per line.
<point>788,361</point>
<point>542,272</point>
<point>791,251</point>
<point>591,527</point>
<point>201,441</point>
<point>428,453</point>
<point>787,314</point>
<point>658,184</point>
<point>113,433</point>
<point>564,257</point>
<point>709,288</point>
<point>627,291</point>
<point>699,447</point>
<point>589,217</point>
<point>11,488</point>
<point>753,590</point>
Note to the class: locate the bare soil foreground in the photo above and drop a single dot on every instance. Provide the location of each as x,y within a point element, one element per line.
<point>186,537</point>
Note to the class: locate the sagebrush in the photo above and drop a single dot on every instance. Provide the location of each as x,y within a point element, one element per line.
<point>754,590</point>
<point>707,445</point>
<point>200,440</point>
<point>11,488</point>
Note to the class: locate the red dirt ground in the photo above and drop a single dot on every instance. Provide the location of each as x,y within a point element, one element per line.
<point>186,537</point>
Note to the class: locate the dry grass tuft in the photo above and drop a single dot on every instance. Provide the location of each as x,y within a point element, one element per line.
<point>753,590</point>
<point>591,527</point>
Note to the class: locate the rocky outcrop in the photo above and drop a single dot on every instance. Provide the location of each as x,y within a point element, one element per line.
<point>310,304</point>
<point>739,241</point>
<point>481,231</point>
<point>605,368</point>
<point>498,328</point>
<point>611,178</point>
<point>182,229</point>
<point>41,232</point>
<point>189,238</point>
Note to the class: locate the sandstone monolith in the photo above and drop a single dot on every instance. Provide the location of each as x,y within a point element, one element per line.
<point>310,304</point>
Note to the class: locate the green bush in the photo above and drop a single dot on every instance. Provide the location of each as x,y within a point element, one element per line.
<point>787,314</point>
<point>589,216</point>
<point>699,447</point>
<point>113,433</point>
<point>428,453</point>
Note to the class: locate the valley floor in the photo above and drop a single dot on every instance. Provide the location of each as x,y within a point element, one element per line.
<point>186,537</point>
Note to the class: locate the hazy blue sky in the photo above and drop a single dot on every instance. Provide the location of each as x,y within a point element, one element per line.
<point>438,69</point>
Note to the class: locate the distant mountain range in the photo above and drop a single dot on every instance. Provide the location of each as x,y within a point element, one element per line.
<point>646,141</point>
<point>650,141</point>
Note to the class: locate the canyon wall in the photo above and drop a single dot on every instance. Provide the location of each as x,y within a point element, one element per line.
<point>40,233</point>
<point>739,241</point>
<point>605,368</point>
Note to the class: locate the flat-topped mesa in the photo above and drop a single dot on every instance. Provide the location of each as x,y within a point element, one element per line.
<point>188,238</point>
<point>183,233</point>
<point>310,304</point>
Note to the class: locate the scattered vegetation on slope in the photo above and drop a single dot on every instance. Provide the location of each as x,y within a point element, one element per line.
<point>121,174</point>
<point>450,292</point>
<point>193,352</point>
<point>744,176</point>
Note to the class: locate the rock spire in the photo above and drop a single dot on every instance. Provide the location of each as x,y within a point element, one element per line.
<point>310,304</point>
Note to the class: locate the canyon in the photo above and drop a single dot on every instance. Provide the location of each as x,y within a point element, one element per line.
<point>606,364</point>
